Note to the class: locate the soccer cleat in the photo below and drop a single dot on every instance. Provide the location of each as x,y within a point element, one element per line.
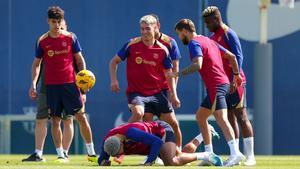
<point>34,158</point>
<point>205,163</point>
<point>250,161</point>
<point>92,158</point>
<point>215,159</point>
<point>66,157</point>
<point>214,133</point>
<point>234,160</point>
<point>61,160</point>
<point>159,161</point>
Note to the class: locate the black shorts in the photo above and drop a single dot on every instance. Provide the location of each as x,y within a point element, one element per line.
<point>170,135</point>
<point>237,99</point>
<point>217,99</point>
<point>64,97</point>
<point>155,104</point>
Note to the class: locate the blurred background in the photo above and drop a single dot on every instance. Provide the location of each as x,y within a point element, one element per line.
<point>103,26</point>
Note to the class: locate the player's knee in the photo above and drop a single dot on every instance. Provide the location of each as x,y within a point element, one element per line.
<point>41,123</point>
<point>68,123</point>
<point>137,114</point>
<point>189,148</point>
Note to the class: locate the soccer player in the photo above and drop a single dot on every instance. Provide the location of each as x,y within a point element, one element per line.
<point>42,117</point>
<point>236,100</point>
<point>153,139</point>
<point>145,59</point>
<point>206,58</point>
<point>58,48</point>
<point>174,53</point>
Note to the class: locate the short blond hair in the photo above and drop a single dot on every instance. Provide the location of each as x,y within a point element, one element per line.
<point>148,19</point>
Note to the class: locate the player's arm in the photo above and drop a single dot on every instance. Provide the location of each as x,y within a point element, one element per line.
<point>234,65</point>
<point>113,66</point>
<point>103,159</point>
<point>153,141</point>
<point>175,55</point>
<point>167,63</point>
<point>80,62</point>
<point>76,50</point>
<point>193,67</point>
<point>197,59</point>
<point>35,71</point>
<point>235,47</point>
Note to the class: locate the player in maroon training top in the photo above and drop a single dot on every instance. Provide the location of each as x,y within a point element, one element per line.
<point>145,59</point>
<point>236,100</point>
<point>58,48</point>
<point>206,56</point>
<point>152,139</point>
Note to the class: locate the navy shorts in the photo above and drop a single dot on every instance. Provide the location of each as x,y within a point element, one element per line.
<point>216,98</point>
<point>63,97</point>
<point>170,135</point>
<point>237,99</point>
<point>155,104</point>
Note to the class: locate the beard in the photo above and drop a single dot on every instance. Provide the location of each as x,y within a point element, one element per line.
<point>185,41</point>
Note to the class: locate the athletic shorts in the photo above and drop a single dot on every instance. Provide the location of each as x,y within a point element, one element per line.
<point>216,98</point>
<point>65,97</point>
<point>155,104</point>
<point>169,132</point>
<point>237,99</point>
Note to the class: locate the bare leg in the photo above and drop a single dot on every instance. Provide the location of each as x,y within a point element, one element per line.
<point>222,120</point>
<point>202,116</point>
<point>191,147</point>
<point>56,132</point>
<point>84,126</point>
<point>168,155</point>
<point>68,133</point>
<point>148,117</point>
<point>40,133</point>
<point>137,113</point>
<point>233,122</point>
<point>242,118</point>
<point>170,118</point>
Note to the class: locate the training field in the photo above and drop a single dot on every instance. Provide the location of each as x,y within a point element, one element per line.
<point>80,162</point>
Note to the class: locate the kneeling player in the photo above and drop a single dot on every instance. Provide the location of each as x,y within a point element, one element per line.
<point>152,139</point>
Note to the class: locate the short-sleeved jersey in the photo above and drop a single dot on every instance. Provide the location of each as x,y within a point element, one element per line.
<point>172,46</point>
<point>145,65</point>
<point>212,71</point>
<point>57,54</point>
<point>133,147</point>
<point>226,37</point>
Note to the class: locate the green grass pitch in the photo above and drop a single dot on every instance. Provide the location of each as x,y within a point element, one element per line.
<point>130,162</point>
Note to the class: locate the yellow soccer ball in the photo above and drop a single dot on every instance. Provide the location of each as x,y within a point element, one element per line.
<point>85,80</point>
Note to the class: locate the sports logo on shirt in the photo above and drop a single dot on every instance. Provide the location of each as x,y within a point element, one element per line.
<point>138,60</point>
<point>50,53</point>
<point>155,55</point>
<point>64,43</point>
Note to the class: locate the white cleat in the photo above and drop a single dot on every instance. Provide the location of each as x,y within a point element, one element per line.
<point>250,161</point>
<point>234,160</point>
<point>204,163</point>
<point>159,161</point>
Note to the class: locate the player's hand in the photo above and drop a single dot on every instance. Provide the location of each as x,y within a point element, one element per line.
<point>106,163</point>
<point>237,79</point>
<point>83,96</point>
<point>33,93</point>
<point>115,86</point>
<point>175,101</point>
<point>233,87</point>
